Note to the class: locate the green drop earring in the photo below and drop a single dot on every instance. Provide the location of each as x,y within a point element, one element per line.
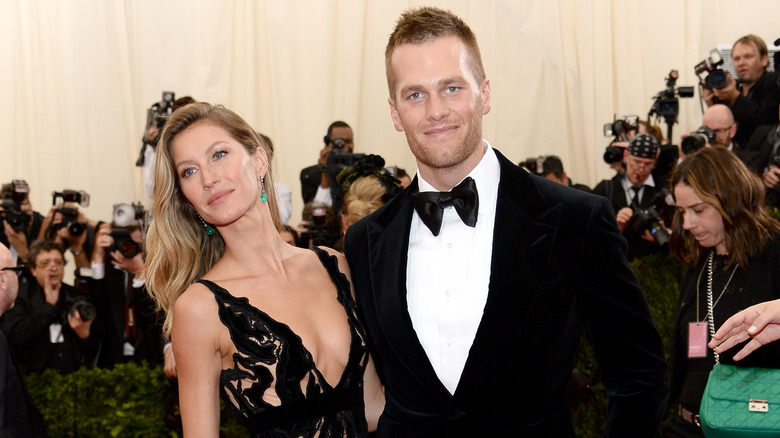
<point>209,228</point>
<point>263,196</point>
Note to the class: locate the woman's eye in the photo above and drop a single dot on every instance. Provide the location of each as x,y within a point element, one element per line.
<point>187,172</point>
<point>219,154</point>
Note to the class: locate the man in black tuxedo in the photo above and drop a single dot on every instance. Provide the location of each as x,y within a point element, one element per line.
<point>474,306</point>
<point>19,417</point>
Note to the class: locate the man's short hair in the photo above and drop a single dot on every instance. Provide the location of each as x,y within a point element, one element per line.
<point>756,41</point>
<point>552,164</point>
<point>43,245</point>
<point>425,24</point>
<point>337,124</point>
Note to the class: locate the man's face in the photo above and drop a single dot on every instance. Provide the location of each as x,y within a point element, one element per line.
<point>724,128</point>
<point>438,104</point>
<point>48,264</point>
<point>748,64</point>
<point>638,169</point>
<point>10,281</point>
<point>346,134</point>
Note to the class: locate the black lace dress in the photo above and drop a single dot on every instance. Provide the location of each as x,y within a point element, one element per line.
<point>270,355</point>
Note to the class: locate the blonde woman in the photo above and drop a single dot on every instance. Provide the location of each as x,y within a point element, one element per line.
<point>269,327</point>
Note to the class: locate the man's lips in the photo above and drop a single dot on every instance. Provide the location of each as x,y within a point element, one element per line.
<point>216,197</point>
<point>441,130</point>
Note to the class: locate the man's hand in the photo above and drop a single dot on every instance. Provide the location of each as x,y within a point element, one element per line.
<point>103,240</point>
<point>771,177</point>
<point>707,96</point>
<point>17,239</point>
<point>134,265</point>
<point>729,93</point>
<point>624,217</point>
<point>324,154</point>
<point>51,290</point>
<point>79,326</point>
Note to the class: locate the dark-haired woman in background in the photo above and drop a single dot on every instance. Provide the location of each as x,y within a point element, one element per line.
<point>723,233</point>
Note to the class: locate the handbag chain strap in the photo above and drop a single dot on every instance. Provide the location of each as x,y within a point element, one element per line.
<point>710,304</point>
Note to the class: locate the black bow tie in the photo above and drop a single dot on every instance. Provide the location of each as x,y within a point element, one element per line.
<point>430,205</point>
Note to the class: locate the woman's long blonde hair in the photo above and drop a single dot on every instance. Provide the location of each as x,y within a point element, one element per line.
<point>178,250</point>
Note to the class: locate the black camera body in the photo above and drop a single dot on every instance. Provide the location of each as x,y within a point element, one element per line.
<point>318,231</point>
<point>11,213</point>
<point>70,220</point>
<point>650,218</point>
<point>709,72</point>
<point>81,298</point>
<point>535,165</point>
<point>124,243</point>
<point>161,111</point>
<point>697,140</point>
<point>621,130</point>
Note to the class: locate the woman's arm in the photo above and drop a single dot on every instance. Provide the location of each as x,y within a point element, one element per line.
<point>373,395</point>
<point>195,340</point>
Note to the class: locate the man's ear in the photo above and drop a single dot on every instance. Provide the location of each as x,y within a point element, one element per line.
<point>394,115</point>
<point>485,96</point>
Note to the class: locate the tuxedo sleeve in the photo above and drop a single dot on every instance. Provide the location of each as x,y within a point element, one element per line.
<point>618,324</point>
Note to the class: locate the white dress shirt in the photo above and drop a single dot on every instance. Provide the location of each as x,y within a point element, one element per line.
<point>447,276</point>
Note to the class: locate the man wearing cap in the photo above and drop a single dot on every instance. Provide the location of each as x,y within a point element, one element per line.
<point>636,192</point>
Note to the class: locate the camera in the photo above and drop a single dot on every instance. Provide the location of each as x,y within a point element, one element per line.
<point>19,190</point>
<point>160,112</point>
<point>127,214</point>
<point>70,220</point>
<point>78,197</point>
<point>534,165</point>
<point>650,218</point>
<point>11,213</point>
<point>80,299</point>
<point>124,243</point>
<point>319,229</point>
<point>697,140</point>
<point>709,73</point>
<point>621,129</point>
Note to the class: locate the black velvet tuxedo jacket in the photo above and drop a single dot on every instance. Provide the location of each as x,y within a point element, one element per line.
<point>558,269</point>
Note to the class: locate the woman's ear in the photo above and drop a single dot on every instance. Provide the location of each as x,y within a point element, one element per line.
<point>261,162</point>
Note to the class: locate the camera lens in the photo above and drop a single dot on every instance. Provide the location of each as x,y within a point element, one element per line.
<point>613,154</point>
<point>76,228</point>
<point>693,142</point>
<point>717,79</point>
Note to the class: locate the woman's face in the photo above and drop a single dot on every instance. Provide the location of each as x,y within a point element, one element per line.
<point>700,219</point>
<point>216,173</point>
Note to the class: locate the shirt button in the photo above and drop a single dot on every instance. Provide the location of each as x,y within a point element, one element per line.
<point>447,293</point>
<point>449,245</point>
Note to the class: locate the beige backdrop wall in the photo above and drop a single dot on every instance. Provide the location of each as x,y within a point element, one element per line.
<point>77,76</point>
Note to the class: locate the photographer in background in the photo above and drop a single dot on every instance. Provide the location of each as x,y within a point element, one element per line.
<point>755,99</point>
<point>156,116</point>
<point>69,227</point>
<point>765,143</point>
<point>129,325</point>
<point>552,169</point>
<point>318,182</point>
<point>20,223</point>
<point>50,325</point>
<point>638,198</point>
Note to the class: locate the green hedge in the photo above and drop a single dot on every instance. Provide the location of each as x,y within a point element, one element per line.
<point>138,401</point>
<point>128,400</point>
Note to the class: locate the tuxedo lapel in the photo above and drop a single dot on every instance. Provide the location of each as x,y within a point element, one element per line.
<point>523,237</point>
<point>388,240</point>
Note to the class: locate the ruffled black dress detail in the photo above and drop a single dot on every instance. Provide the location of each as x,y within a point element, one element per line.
<point>270,354</point>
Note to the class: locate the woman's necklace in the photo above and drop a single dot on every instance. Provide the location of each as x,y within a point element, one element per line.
<point>710,304</point>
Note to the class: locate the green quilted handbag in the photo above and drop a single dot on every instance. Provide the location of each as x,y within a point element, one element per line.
<point>741,402</point>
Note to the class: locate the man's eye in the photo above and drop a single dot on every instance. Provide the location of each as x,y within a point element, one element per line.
<point>415,96</point>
